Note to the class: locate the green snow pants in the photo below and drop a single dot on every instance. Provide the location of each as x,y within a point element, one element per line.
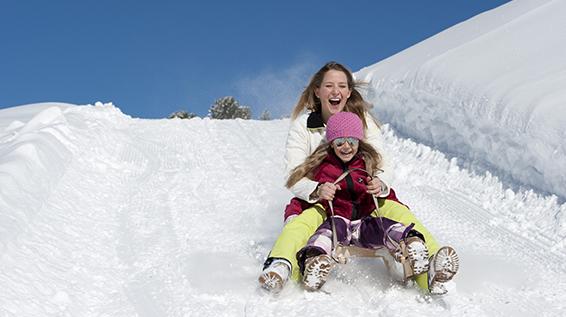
<point>297,232</point>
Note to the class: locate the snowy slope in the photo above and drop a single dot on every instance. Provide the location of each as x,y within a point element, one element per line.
<point>490,90</point>
<point>105,215</point>
<point>102,214</point>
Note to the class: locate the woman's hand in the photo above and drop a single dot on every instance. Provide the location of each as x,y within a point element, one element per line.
<point>375,186</point>
<point>327,190</point>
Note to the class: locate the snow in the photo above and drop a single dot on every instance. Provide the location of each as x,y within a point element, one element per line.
<point>102,214</point>
<point>106,215</point>
<point>489,90</point>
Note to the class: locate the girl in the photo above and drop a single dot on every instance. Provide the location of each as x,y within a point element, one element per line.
<point>352,205</point>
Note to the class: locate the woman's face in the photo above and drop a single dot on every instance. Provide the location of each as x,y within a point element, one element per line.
<point>333,93</point>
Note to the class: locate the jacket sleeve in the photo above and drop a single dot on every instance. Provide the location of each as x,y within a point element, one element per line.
<point>375,138</point>
<point>296,151</point>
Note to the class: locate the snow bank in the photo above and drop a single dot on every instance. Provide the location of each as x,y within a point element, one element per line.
<point>489,89</point>
<point>33,157</point>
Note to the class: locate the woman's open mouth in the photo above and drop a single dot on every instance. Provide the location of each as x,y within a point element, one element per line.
<point>334,101</point>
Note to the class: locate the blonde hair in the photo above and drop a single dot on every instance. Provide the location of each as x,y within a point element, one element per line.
<point>307,169</point>
<point>355,104</point>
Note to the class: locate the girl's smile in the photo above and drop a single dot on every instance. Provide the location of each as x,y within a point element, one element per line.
<point>345,148</point>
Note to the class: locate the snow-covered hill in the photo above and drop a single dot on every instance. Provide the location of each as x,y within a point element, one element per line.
<point>102,214</point>
<point>490,90</point>
<point>105,215</point>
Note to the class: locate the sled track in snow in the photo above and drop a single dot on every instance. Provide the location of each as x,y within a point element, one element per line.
<point>453,212</point>
<point>527,247</point>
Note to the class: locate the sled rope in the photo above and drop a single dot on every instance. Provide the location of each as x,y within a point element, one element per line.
<point>341,253</point>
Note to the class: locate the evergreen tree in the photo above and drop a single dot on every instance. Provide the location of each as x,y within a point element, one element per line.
<point>182,115</point>
<point>229,108</point>
<point>265,115</point>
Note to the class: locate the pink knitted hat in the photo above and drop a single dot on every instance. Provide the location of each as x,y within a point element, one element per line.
<point>344,125</point>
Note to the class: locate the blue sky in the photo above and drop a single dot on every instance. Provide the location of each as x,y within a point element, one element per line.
<point>151,58</point>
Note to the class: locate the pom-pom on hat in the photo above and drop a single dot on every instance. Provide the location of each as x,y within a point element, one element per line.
<point>344,125</point>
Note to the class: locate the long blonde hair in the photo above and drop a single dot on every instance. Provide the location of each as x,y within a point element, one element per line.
<point>355,104</point>
<point>371,157</point>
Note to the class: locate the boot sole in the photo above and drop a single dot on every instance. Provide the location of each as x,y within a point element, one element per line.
<point>418,255</point>
<point>271,282</point>
<point>316,273</point>
<point>444,265</point>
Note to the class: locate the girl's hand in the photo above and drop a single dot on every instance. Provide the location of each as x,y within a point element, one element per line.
<point>327,190</point>
<point>374,185</point>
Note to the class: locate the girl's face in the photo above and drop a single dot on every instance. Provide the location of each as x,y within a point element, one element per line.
<point>333,93</point>
<point>345,148</point>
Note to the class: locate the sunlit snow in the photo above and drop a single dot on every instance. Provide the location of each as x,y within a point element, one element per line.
<point>490,89</point>
<point>102,214</point>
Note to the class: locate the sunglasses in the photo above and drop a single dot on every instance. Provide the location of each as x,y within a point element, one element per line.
<point>341,141</point>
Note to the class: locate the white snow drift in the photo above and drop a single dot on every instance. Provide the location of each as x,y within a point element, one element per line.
<point>490,89</point>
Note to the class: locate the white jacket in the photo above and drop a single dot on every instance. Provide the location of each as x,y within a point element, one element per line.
<point>302,141</point>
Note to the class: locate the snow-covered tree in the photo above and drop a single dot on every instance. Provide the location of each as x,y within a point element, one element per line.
<point>229,108</point>
<point>265,115</point>
<point>182,115</point>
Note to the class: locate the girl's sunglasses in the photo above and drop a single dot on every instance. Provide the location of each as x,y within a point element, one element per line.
<point>341,141</point>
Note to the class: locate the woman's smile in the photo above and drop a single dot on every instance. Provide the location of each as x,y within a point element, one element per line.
<point>333,93</point>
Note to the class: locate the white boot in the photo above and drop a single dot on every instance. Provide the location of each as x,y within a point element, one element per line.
<point>443,266</point>
<point>317,269</point>
<point>274,277</point>
<point>412,253</point>
<point>418,255</point>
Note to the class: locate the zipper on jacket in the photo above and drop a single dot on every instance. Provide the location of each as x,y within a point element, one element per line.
<point>350,185</point>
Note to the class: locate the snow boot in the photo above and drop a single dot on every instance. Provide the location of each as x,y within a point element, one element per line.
<point>443,266</point>
<point>413,255</point>
<point>275,274</point>
<point>317,269</point>
<point>418,255</point>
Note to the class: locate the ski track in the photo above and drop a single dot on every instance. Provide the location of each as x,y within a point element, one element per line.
<point>196,206</point>
<point>493,247</point>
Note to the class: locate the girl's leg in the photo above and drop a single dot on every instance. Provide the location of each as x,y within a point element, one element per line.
<point>321,240</point>
<point>315,259</point>
<point>400,213</point>
<point>377,232</point>
<point>295,235</point>
<point>380,232</point>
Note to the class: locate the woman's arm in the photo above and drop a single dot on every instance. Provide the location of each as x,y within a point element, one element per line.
<point>297,150</point>
<point>375,138</point>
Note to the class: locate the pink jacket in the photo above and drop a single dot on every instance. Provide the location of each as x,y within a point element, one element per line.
<point>352,201</point>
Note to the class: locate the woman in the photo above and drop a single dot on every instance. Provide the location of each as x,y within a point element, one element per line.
<point>331,90</point>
